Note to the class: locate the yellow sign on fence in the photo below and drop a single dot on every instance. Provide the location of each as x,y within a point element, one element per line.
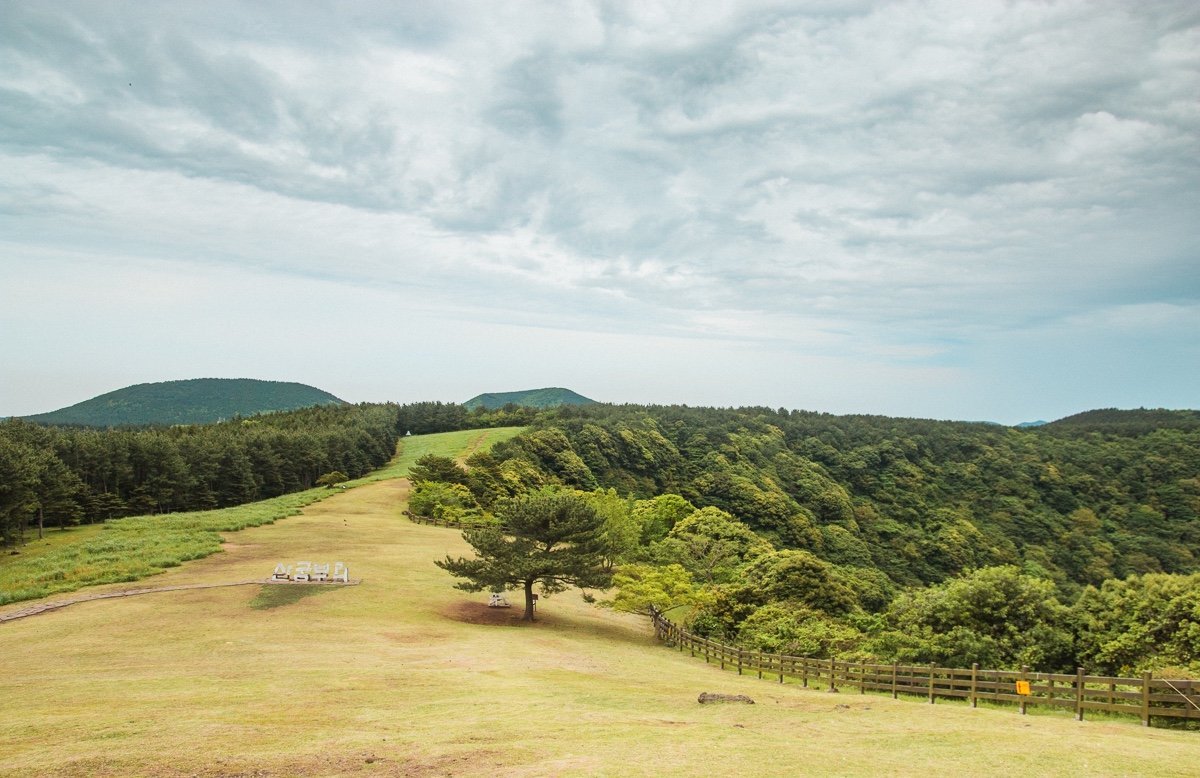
<point>1023,688</point>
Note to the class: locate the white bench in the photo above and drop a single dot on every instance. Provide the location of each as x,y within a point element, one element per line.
<point>312,572</point>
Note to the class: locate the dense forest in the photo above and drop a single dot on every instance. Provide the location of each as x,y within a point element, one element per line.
<point>60,476</point>
<point>897,539</point>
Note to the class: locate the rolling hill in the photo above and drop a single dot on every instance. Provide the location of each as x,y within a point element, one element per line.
<point>1134,421</point>
<point>193,401</point>
<point>531,398</point>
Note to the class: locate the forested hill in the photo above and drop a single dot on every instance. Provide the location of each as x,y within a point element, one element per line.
<point>1132,422</point>
<point>530,398</point>
<point>919,500</point>
<point>874,538</point>
<point>194,401</point>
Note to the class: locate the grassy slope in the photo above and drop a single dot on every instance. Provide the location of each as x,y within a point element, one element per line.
<point>138,547</point>
<point>387,678</point>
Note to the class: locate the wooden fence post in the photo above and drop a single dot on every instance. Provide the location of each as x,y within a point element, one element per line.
<point>804,672</point>
<point>974,684</point>
<point>739,661</point>
<point>1079,694</point>
<point>781,669</point>
<point>832,670</point>
<point>1022,677</point>
<point>931,666</point>
<point>862,677</point>
<point>895,670</point>
<point>760,665</point>
<point>1146,699</point>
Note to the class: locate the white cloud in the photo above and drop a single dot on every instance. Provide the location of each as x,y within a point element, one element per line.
<point>891,186</point>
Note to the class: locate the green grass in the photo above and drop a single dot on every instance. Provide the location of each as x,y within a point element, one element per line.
<point>137,547</point>
<point>456,445</point>
<point>53,539</point>
<point>405,675</point>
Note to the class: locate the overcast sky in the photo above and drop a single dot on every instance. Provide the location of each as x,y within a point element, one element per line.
<point>967,210</point>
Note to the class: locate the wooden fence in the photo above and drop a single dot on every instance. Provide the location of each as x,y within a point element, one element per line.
<point>1143,697</point>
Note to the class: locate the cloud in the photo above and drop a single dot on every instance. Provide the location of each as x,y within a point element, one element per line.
<point>896,184</point>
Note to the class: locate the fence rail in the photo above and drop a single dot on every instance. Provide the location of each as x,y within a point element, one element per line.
<point>1144,697</point>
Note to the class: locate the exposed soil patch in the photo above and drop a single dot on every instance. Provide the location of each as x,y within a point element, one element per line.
<point>481,613</point>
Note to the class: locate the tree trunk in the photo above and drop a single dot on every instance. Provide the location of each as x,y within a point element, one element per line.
<point>528,600</point>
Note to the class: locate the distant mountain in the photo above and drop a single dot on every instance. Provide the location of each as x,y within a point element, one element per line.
<point>1137,421</point>
<point>530,398</point>
<point>1026,424</point>
<point>194,401</point>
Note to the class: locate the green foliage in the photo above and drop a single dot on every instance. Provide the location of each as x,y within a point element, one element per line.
<point>711,545</point>
<point>449,502</point>
<point>194,401</point>
<point>332,479</point>
<point>889,505</point>
<point>432,467</point>
<point>996,616</point>
<point>554,540</point>
<point>641,586</point>
<point>621,532</point>
<point>1140,623</point>
<point>801,578</point>
<point>81,474</point>
<point>781,629</point>
<point>531,398</point>
<point>659,515</point>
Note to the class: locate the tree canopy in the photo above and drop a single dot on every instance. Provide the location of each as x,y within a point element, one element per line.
<point>553,540</point>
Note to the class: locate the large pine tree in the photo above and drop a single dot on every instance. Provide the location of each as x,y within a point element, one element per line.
<point>554,540</point>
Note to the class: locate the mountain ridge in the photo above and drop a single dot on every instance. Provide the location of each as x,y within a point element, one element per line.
<point>187,401</point>
<point>548,397</point>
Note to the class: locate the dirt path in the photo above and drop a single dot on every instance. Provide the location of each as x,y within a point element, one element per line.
<point>473,446</point>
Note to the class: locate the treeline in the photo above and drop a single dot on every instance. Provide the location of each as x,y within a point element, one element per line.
<point>895,539</point>
<point>59,476</point>
<point>920,500</point>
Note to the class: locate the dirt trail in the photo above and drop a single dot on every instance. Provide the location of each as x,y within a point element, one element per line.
<point>472,446</point>
<point>43,607</point>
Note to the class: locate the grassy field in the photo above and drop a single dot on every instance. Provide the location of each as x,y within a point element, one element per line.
<point>403,675</point>
<point>131,549</point>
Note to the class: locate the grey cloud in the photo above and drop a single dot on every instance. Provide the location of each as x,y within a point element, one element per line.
<point>528,103</point>
<point>910,172</point>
